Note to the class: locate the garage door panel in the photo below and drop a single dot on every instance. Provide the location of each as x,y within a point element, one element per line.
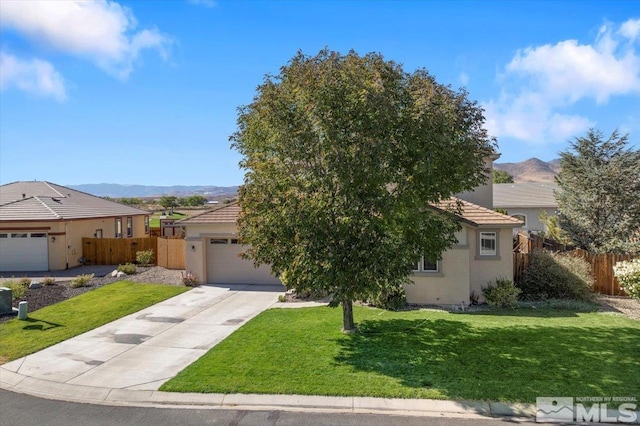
<point>22,252</point>
<point>225,266</point>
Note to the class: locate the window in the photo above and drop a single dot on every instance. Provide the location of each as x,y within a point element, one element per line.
<point>521,217</point>
<point>426,265</point>
<point>219,241</point>
<point>146,224</point>
<point>118,228</point>
<point>488,244</point>
<point>38,235</point>
<point>129,227</point>
<point>98,233</point>
<point>19,235</point>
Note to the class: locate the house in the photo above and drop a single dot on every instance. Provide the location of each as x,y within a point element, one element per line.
<point>42,225</point>
<point>526,201</point>
<point>482,254</point>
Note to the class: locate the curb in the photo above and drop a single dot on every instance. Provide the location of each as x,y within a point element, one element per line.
<point>15,382</point>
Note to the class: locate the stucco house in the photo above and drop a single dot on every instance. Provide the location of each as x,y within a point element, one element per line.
<point>42,225</point>
<point>483,253</point>
<point>526,201</point>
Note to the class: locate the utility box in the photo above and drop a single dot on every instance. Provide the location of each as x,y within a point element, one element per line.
<point>6,296</point>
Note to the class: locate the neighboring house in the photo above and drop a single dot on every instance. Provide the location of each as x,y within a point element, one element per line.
<point>483,253</point>
<point>526,201</point>
<point>42,225</point>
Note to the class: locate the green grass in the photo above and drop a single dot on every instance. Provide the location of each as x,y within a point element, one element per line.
<point>61,321</point>
<point>507,355</point>
<point>154,221</point>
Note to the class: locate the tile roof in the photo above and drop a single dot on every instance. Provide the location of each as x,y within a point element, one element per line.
<point>478,216</point>
<point>525,194</point>
<point>224,214</point>
<point>42,201</point>
<point>471,213</point>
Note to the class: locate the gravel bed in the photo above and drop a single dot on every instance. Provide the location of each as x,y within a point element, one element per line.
<point>62,290</point>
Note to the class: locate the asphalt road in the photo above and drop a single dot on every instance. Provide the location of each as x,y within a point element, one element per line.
<point>23,410</point>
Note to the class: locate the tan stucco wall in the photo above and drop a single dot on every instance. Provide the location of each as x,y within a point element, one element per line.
<point>486,270</point>
<point>451,287</point>
<point>67,248</point>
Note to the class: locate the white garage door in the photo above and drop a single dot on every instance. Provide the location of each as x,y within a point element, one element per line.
<point>224,266</point>
<point>23,251</point>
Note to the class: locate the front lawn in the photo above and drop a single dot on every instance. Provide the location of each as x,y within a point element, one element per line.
<point>61,321</point>
<point>500,355</point>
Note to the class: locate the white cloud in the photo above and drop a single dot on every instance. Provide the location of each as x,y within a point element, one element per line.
<point>540,83</point>
<point>463,78</point>
<point>33,76</point>
<point>630,29</point>
<point>102,31</point>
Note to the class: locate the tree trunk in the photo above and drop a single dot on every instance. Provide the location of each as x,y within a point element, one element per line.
<point>348,325</point>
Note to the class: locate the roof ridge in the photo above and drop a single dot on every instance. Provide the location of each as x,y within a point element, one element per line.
<point>53,189</point>
<point>37,197</point>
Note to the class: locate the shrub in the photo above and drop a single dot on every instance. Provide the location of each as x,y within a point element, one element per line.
<point>556,276</point>
<point>188,279</point>
<point>127,268</point>
<point>48,281</point>
<point>390,299</point>
<point>81,280</point>
<point>504,294</point>
<point>628,274</point>
<point>282,298</point>
<point>17,288</point>
<point>25,282</point>
<point>145,257</point>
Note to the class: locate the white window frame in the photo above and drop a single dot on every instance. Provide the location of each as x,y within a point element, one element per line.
<point>146,224</point>
<point>129,226</point>
<point>488,234</point>
<point>422,270</point>
<point>118,227</point>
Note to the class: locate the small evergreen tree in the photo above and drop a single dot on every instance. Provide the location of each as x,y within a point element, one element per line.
<point>599,194</point>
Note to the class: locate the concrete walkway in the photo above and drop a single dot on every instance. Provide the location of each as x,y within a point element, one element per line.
<point>126,361</point>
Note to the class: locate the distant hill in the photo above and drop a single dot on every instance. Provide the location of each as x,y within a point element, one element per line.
<point>128,191</point>
<point>531,170</point>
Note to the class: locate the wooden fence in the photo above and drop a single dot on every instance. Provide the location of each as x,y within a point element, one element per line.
<point>601,269</point>
<point>168,252</point>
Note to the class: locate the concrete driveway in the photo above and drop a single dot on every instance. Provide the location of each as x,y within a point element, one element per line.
<point>143,350</point>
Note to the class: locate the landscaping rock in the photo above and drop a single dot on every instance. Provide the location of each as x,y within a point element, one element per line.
<point>114,273</point>
<point>121,274</point>
<point>35,284</point>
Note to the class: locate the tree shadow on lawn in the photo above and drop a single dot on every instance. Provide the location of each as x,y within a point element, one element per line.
<point>40,325</point>
<point>516,363</point>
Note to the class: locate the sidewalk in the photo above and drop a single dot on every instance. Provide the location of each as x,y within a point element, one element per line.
<point>126,361</point>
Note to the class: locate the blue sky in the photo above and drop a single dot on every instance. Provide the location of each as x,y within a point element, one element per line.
<point>144,92</point>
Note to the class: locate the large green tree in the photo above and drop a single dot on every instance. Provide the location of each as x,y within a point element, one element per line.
<point>343,155</point>
<point>599,193</point>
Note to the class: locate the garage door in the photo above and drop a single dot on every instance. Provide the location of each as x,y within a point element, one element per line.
<point>23,251</point>
<point>224,266</point>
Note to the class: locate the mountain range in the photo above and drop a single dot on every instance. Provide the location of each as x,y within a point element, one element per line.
<point>531,170</point>
<point>115,190</point>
